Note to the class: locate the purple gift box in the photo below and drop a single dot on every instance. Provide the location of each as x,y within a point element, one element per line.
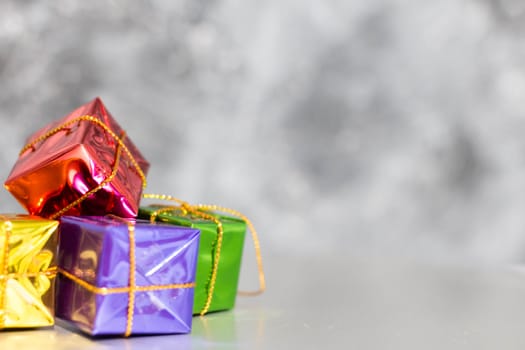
<point>121,276</point>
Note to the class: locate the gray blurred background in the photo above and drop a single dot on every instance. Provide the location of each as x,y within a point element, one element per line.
<point>340,127</point>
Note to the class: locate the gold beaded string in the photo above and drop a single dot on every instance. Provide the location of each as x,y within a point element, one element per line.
<point>49,272</point>
<point>98,122</point>
<point>132,270</point>
<point>119,290</point>
<point>218,243</point>
<point>198,211</point>
<point>120,146</point>
<point>153,216</point>
<point>217,256</point>
<point>8,226</point>
<point>131,293</point>
<point>256,244</point>
<point>93,190</point>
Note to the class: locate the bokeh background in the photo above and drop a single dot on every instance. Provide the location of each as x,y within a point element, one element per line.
<point>375,127</point>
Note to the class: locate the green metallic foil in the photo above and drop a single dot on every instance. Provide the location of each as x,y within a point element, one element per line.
<point>234,231</point>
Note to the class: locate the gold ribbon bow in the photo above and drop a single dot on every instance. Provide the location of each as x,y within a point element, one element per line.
<point>202,211</point>
<point>120,146</point>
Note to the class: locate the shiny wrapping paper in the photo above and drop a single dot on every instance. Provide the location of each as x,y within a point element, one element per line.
<point>225,291</point>
<point>96,251</point>
<point>27,271</point>
<point>62,167</point>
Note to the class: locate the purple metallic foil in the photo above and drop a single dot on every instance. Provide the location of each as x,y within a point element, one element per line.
<point>96,250</point>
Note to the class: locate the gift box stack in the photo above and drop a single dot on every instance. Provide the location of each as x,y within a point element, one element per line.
<point>87,253</point>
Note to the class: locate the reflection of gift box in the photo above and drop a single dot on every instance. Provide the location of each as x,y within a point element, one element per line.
<point>227,274</point>
<point>82,164</point>
<point>121,277</point>
<point>27,271</point>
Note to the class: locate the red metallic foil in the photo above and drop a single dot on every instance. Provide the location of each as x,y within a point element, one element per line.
<point>66,165</point>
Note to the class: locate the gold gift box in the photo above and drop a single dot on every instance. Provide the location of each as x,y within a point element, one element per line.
<point>28,249</point>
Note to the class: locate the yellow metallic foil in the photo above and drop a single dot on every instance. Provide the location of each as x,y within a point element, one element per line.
<point>27,270</point>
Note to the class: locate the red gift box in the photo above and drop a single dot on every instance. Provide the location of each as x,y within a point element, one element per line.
<point>82,164</point>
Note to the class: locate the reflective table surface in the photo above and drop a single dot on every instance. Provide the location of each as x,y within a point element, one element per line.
<point>351,303</point>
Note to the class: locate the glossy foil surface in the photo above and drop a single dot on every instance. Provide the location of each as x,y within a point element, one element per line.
<point>27,292</point>
<point>96,250</point>
<point>68,164</point>
<point>226,283</point>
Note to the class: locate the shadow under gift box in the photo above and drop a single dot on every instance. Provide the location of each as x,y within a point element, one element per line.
<point>234,231</point>
<point>28,247</point>
<point>56,168</point>
<point>94,292</point>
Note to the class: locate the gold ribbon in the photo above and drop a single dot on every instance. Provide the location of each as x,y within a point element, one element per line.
<point>121,146</point>
<point>201,210</point>
<point>132,288</point>
<point>132,284</point>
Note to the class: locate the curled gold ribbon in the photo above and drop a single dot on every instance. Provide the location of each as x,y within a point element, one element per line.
<point>202,210</point>
<point>121,146</point>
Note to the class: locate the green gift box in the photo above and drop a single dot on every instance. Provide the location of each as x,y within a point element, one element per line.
<point>224,288</point>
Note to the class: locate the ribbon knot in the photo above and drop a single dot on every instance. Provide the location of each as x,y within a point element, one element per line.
<point>186,207</point>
